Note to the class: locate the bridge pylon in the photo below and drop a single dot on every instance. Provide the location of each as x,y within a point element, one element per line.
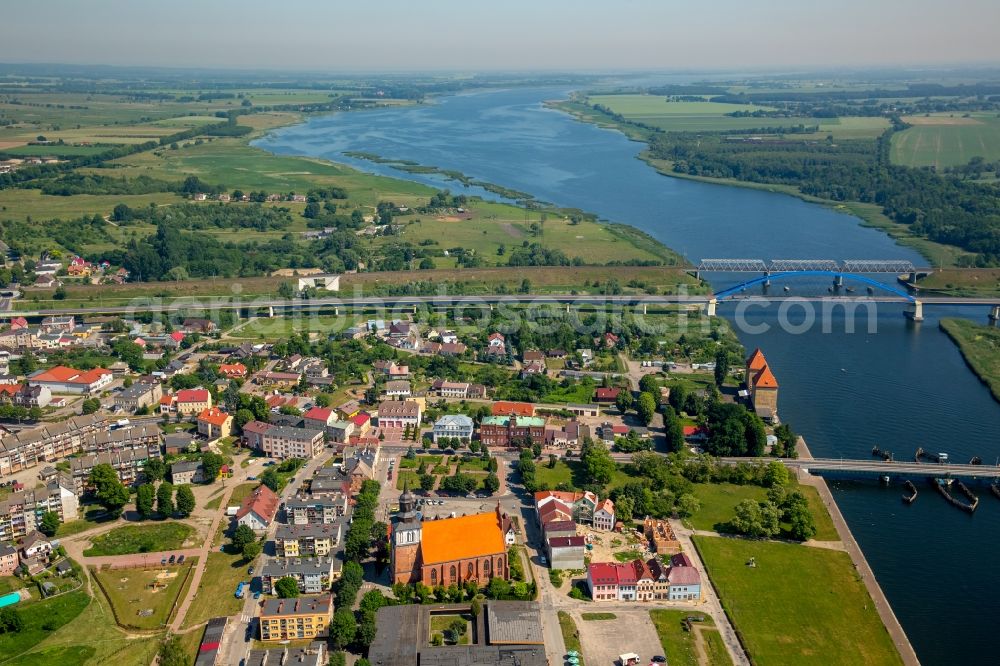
<point>915,311</point>
<point>710,307</point>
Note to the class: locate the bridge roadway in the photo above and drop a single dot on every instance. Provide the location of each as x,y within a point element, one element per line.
<point>876,467</point>
<point>490,300</point>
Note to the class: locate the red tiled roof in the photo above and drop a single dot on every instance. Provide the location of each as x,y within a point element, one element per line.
<point>192,395</point>
<point>756,360</point>
<point>765,379</point>
<point>603,573</point>
<point>262,501</point>
<point>256,427</point>
<point>214,416</point>
<point>318,414</point>
<point>607,393</point>
<point>361,419</point>
<point>567,542</point>
<point>506,408</point>
<point>61,373</point>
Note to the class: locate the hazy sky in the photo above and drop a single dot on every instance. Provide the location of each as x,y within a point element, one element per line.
<point>341,35</point>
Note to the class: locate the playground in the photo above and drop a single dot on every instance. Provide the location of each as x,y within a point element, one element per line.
<point>143,598</point>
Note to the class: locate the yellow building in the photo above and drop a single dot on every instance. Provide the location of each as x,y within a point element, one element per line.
<point>303,618</point>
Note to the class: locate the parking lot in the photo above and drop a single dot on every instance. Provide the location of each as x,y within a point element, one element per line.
<point>603,640</point>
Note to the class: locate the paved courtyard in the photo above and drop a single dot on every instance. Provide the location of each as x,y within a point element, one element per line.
<point>603,640</point>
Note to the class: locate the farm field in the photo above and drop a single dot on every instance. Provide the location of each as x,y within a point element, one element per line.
<point>798,604</point>
<point>136,603</point>
<point>710,117</point>
<point>148,538</point>
<point>942,140</point>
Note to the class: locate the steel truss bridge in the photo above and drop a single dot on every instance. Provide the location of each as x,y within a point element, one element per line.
<point>800,265</point>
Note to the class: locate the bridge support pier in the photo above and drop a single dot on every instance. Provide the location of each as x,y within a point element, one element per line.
<point>767,279</point>
<point>915,311</point>
<point>838,281</point>
<point>710,307</point>
<point>270,311</point>
<point>995,313</point>
<point>644,306</point>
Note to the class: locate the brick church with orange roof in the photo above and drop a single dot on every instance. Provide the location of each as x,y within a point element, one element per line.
<point>448,551</point>
<point>762,386</point>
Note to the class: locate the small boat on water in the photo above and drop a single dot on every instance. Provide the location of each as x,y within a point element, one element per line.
<point>871,290</point>
<point>850,290</point>
<point>787,288</point>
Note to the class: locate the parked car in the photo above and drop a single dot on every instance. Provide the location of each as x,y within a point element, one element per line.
<point>163,561</point>
<point>659,659</point>
<point>173,558</point>
<point>180,559</point>
<point>250,571</point>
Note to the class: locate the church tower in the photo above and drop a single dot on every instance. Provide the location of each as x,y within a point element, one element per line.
<point>406,532</point>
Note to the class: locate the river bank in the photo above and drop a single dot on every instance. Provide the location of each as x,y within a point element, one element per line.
<point>937,254</point>
<point>864,570</point>
<point>980,347</point>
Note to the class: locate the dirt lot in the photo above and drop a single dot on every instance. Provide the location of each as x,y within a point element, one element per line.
<point>603,640</point>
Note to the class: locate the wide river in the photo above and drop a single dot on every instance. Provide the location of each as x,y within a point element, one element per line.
<point>902,387</point>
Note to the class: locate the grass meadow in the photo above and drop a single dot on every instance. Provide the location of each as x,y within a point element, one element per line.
<point>942,140</point>
<point>798,605</point>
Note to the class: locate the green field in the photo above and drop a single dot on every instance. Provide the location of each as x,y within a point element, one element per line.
<point>151,538</point>
<point>711,117</point>
<point>943,140</point>
<point>40,619</point>
<point>216,593</point>
<point>679,645</point>
<point>130,593</point>
<point>719,500</point>
<point>980,346</point>
<point>798,605</point>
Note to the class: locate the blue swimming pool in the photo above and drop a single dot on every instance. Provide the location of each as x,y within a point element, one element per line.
<point>9,599</point>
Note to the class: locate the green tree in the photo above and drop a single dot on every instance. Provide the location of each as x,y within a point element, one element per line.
<point>90,405</point>
<point>271,479</point>
<point>242,535</point>
<point>165,499</point>
<point>624,401</point>
<point>624,506</point>
<point>184,501</point>
<point>756,519</point>
<point>599,464</point>
<point>155,469</point>
<point>50,523</point>
<point>646,407</point>
<point>211,463</point>
<point>426,482</point>
<point>144,498</point>
<point>688,505</point>
<point>342,629</point>
<point>475,607</point>
<point>673,430</point>
<point>172,653</point>
<point>286,588</point>
<point>775,474</point>
<point>649,384</point>
<point>491,483</point>
<point>252,550</point>
<point>721,367</point>
<point>11,621</point>
<point>108,488</point>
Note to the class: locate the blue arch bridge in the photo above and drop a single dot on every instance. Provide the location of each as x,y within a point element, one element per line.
<point>857,270</point>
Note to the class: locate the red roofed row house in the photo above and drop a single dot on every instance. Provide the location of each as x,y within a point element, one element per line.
<point>214,423</point>
<point>645,581</point>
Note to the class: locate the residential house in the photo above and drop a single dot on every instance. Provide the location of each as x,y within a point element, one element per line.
<point>213,423</point>
<point>198,325</point>
<point>315,510</point>
<point>391,369</point>
<point>604,515</point>
<point>496,345</point>
<point>311,540</point>
<point>9,560</point>
<point>192,401</point>
<point>127,463</point>
<point>463,390</point>
<point>258,509</point>
<point>453,425</point>
<point>186,472</point>
<point>396,389</point>
<point>233,370</point>
<point>286,442</point>
<point>340,431</point>
<point>319,418</point>
<point>652,580</point>
<point>178,442</point>
<point>139,396</point>
<point>253,434</point>
<point>606,395</point>
<point>302,618</point>
<point>314,575</point>
<point>582,505</point>
<point>25,395</point>
<point>21,512</point>
<point>281,380</point>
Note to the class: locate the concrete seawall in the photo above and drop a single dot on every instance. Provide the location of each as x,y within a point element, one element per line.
<point>889,619</point>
